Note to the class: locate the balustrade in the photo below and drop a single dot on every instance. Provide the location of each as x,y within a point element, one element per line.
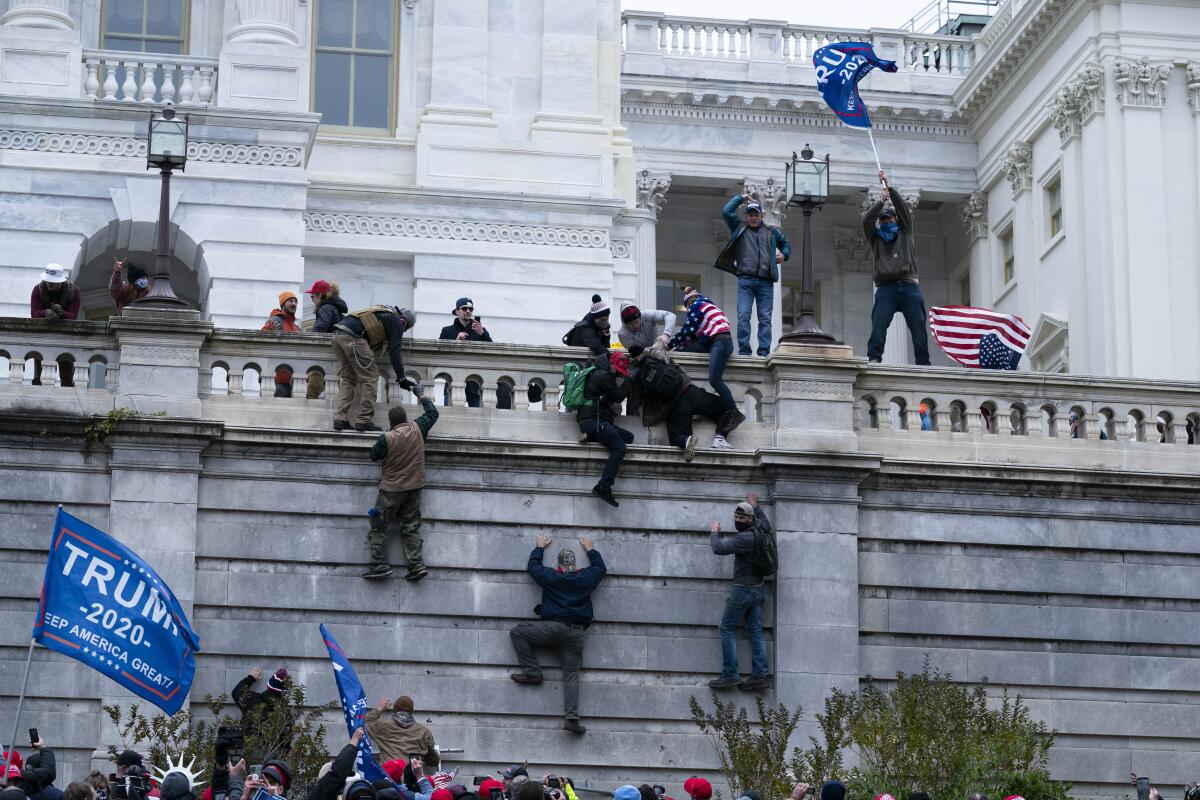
<point>149,77</point>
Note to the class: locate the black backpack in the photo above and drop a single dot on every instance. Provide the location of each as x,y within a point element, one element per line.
<point>662,379</point>
<point>765,558</point>
<point>574,337</point>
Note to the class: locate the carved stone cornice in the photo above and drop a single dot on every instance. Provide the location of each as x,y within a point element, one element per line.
<point>135,147</point>
<point>1193,86</point>
<point>1141,84</point>
<point>770,195</point>
<point>974,216</point>
<point>455,229</point>
<point>1018,167</point>
<point>652,190</point>
<point>1066,114</point>
<point>1089,90</point>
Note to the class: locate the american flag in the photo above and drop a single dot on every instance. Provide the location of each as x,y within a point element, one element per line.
<point>979,337</point>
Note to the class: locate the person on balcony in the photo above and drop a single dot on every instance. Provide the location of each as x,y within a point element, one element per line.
<point>283,320</point>
<point>356,340</point>
<point>565,613</point>
<point>706,330</point>
<point>593,331</point>
<point>754,254</point>
<point>55,297</point>
<point>604,387</point>
<point>466,328</point>
<point>669,390</point>
<point>746,596</point>
<point>888,226</point>
<point>135,286</point>
<point>651,328</point>
<point>328,304</point>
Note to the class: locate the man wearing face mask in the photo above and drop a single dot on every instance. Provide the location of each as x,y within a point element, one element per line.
<point>889,231</point>
<point>123,292</point>
<point>746,596</point>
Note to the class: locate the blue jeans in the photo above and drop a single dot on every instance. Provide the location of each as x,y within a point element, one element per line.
<point>751,291</point>
<point>614,438</point>
<point>908,300</point>
<point>744,602</point>
<point>719,352</point>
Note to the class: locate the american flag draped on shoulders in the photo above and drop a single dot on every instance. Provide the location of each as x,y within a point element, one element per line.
<point>979,337</point>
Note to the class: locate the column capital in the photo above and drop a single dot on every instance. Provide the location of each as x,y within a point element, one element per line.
<point>770,195</point>
<point>1018,167</point>
<point>1141,84</point>
<point>1193,85</point>
<point>652,190</point>
<point>974,216</point>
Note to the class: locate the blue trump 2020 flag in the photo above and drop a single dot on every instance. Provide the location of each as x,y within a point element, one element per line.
<point>840,66</point>
<point>354,706</point>
<point>103,605</point>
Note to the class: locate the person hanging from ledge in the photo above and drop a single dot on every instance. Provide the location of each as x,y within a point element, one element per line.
<point>593,331</point>
<point>651,328</point>
<point>888,226</point>
<point>604,387</point>
<point>671,395</point>
<point>356,341</point>
<point>135,286</point>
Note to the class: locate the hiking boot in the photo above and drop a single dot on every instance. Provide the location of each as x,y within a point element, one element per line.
<point>731,420</point>
<point>573,726</point>
<point>341,424</point>
<point>526,678</point>
<point>720,443</point>
<point>378,571</point>
<point>415,575</point>
<point>689,448</point>
<point>364,427</point>
<point>724,682</point>
<point>755,683</point>
<point>605,493</point>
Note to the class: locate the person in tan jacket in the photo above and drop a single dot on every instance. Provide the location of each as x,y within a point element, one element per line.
<point>399,736</point>
<point>398,507</point>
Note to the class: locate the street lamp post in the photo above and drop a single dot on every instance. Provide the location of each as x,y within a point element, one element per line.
<point>807,185</point>
<point>166,150</point>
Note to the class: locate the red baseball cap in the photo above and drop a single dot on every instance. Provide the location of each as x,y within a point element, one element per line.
<point>486,787</point>
<point>319,287</point>
<point>16,758</point>
<point>14,772</point>
<point>698,788</point>
<point>395,769</point>
<point>441,794</point>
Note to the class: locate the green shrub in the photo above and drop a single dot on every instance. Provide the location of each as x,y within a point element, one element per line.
<point>753,756</point>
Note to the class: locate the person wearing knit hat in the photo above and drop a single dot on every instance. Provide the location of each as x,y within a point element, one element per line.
<point>649,328</point>
<point>266,709</point>
<point>593,331</point>
<point>754,255</point>
<point>698,788</point>
<point>706,330</point>
<point>397,735</point>
<point>283,318</point>
<point>746,596</point>
<point>135,286</point>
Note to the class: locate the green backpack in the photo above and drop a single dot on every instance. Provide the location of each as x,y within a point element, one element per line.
<point>575,378</point>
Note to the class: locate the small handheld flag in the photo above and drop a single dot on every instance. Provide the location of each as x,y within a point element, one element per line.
<point>979,337</point>
<point>840,66</point>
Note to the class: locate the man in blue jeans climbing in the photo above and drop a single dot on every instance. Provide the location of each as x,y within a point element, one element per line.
<point>888,227</point>
<point>746,597</point>
<point>754,254</point>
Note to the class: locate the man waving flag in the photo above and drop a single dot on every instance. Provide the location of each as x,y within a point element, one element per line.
<point>979,337</point>
<point>840,66</point>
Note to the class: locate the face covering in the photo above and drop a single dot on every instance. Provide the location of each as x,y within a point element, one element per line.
<point>742,525</point>
<point>888,231</point>
<point>142,283</point>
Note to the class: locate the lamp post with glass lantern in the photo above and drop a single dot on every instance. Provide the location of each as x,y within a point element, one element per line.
<point>806,181</point>
<point>166,150</point>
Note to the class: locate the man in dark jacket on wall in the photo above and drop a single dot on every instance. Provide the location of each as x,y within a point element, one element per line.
<point>402,451</point>
<point>889,231</point>
<point>258,707</point>
<point>754,254</point>
<point>604,387</point>
<point>356,340</point>
<point>594,331</point>
<point>566,613</point>
<point>466,328</point>
<point>746,596</point>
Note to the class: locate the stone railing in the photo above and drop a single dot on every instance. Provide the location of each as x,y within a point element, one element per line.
<point>651,33</point>
<point>149,77</point>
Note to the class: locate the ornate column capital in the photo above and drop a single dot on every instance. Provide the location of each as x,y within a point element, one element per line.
<point>1089,91</point>
<point>1141,84</point>
<point>770,195</point>
<point>850,250</point>
<point>873,194</point>
<point>1066,114</point>
<point>974,216</point>
<point>1018,167</point>
<point>1193,85</point>
<point>652,190</point>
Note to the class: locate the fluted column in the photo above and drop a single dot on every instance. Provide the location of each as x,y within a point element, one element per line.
<point>40,50</point>
<point>267,21</point>
<point>652,190</point>
<point>54,14</point>
<point>265,56</point>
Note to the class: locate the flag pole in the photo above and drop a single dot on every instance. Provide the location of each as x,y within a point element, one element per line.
<point>879,166</point>
<point>12,748</point>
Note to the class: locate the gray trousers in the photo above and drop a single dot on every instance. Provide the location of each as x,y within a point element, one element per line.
<point>567,641</point>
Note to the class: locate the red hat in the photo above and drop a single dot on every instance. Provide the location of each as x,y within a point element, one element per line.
<point>485,788</point>
<point>698,788</point>
<point>395,769</point>
<point>207,794</point>
<point>630,312</point>
<point>16,758</point>
<point>14,772</point>
<point>441,794</point>
<point>319,287</point>
<point>620,362</point>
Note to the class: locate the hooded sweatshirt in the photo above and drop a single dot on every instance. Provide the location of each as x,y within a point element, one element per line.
<point>330,313</point>
<point>280,320</point>
<point>397,734</point>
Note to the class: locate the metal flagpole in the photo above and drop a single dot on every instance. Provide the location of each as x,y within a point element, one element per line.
<point>12,748</point>
<point>871,136</point>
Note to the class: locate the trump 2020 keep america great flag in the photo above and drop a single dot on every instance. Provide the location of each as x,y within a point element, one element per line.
<point>979,337</point>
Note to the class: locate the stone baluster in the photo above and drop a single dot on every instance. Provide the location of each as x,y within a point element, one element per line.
<point>489,395</point>
<point>16,372</point>
<point>129,88</point>
<point>299,384</point>
<point>1179,431</point>
<point>147,90</point>
<point>187,85</point>
<point>1062,424</point>
<point>1002,421</point>
<point>883,417</point>
<point>50,372</point>
<point>110,82</point>
<point>91,83</point>
<point>912,418</point>
<point>1033,423</point>
<point>112,375</point>
<point>974,420</point>
<point>458,393</point>
<point>942,418</point>
<point>520,398</point>
<point>167,92</point>
<point>235,383</point>
<point>1148,429</point>
<point>550,398</point>
<point>81,374</point>
<point>204,95</point>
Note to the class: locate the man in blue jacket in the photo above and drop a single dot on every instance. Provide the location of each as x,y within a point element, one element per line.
<point>753,253</point>
<point>566,612</point>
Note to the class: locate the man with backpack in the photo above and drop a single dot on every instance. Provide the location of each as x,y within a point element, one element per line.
<point>665,385</point>
<point>754,558</point>
<point>591,392</point>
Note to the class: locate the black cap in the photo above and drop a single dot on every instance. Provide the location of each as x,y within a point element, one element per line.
<point>463,301</point>
<point>514,771</point>
<point>129,758</point>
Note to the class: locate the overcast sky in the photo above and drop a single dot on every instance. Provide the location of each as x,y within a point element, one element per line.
<point>842,13</point>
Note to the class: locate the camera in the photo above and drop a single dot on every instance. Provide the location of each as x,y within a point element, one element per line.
<point>134,785</point>
<point>230,743</point>
<point>554,782</point>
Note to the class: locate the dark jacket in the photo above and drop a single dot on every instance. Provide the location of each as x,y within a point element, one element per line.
<point>585,334</point>
<point>42,298</point>
<point>256,706</point>
<point>452,331</point>
<point>896,260</point>
<point>602,391</point>
<point>329,313</point>
<point>727,258</point>
<point>331,783</point>
<point>566,596</point>
<point>38,772</point>
<point>741,546</point>
<point>393,328</point>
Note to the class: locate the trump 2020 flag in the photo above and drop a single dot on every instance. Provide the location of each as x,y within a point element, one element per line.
<point>840,66</point>
<point>979,337</point>
<point>354,706</point>
<point>103,605</point>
